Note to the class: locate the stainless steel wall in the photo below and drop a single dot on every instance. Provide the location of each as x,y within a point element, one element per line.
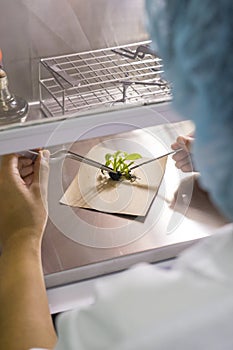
<point>30,29</point>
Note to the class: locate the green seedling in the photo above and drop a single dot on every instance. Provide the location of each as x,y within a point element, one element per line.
<point>121,162</point>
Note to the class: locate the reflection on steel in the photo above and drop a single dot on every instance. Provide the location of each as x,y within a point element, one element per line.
<point>101,79</point>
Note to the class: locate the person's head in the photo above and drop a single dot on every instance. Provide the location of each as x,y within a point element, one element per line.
<point>194,39</point>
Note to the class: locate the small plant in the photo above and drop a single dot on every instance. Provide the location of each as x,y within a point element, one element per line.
<point>121,162</point>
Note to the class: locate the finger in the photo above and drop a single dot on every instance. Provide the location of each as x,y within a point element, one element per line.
<point>182,162</point>
<point>28,180</point>
<point>175,146</point>
<point>186,142</point>
<point>180,155</point>
<point>181,140</point>
<point>185,164</point>
<point>24,162</point>
<point>187,168</point>
<point>180,143</point>
<point>41,173</point>
<point>26,171</point>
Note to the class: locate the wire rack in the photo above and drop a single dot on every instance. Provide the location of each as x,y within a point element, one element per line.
<point>109,77</point>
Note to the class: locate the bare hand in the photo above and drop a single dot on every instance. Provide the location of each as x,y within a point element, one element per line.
<point>23,197</point>
<point>183,158</point>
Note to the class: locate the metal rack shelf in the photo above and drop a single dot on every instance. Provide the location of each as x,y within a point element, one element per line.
<point>102,78</point>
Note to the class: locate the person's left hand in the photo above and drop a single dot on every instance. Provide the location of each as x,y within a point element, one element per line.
<point>23,198</point>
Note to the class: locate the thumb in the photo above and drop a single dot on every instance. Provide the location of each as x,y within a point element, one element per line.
<point>41,173</point>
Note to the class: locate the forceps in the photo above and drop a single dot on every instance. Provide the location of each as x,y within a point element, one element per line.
<point>154,159</point>
<point>64,153</point>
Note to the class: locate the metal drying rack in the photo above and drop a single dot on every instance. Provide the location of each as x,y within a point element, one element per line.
<point>109,77</point>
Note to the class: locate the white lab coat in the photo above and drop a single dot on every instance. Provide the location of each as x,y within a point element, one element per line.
<point>145,308</point>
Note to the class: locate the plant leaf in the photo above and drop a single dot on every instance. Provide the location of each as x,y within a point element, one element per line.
<point>133,156</point>
<point>108,156</point>
<point>116,154</point>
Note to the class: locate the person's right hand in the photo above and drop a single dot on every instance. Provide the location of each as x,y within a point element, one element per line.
<point>182,158</point>
<point>23,199</point>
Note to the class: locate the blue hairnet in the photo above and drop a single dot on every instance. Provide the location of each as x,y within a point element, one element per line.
<point>195,40</point>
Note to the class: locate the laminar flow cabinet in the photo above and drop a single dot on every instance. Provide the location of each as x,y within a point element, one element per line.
<point>79,98</point>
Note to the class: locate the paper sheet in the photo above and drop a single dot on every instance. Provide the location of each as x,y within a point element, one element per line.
<point>93,190</point>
